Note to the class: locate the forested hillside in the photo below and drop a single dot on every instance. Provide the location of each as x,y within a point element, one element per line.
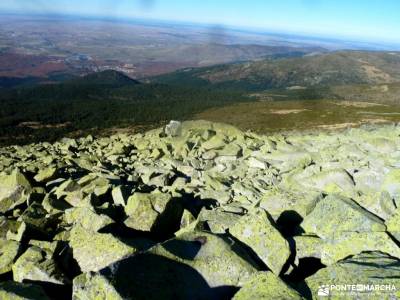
<point>98,101</point>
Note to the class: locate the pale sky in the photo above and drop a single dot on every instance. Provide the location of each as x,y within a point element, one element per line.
<point>363,19</point>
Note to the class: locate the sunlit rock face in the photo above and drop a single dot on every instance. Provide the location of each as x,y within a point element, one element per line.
<point>200,210</point>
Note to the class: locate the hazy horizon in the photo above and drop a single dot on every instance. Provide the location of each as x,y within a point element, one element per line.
<point>374,21</point>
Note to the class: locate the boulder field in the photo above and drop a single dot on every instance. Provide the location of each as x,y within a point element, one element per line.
<point>201,210</point>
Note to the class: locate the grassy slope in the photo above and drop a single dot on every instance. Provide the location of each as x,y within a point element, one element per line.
<point>265,117</point>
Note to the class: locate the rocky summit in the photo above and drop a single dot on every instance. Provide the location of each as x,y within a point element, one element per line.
<point>201,210</point>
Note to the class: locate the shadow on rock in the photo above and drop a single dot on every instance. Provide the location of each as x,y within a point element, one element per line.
<point>152,277</point>
<point>289,223</point>
<point>307,267</point>
<point>183,249</point>
<point>53,291</point>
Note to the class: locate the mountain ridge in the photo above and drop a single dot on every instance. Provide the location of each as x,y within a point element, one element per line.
<point>328,69</point>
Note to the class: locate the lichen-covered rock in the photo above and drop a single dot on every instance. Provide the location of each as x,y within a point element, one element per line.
<point>379,203</point>
<point>119,195</point>
<point>380,144</point>
<point>256,163</point>
<point>99,204</point>
<point>335,214</point>
<point>35,216</point>
<point>8,253</point>
<point>89,286</point>
<point>391,184</point>
<point>155,212</point>
<point>368,181</point>
<point>336,180</point>
<point>393,225</point>
<point>5,225</point>
<point>347,244</point>
<point>219,260</point>
<point>94,251</point>
<point>14,190</point>
<point>256,231</point>
<point>196,265</point>
<point>216,142</point>
<point>87,218</point>
<point>277,201</point>
<point>174,128</point>
<point>17,232</point>
<point>34,266</point>
<point>45,174</point>
<point>10,290</point>
<point>307,246</point>
<point>366,269</point>
<point>266,286</point>
<point>217,220</point>
<point>49,248</point>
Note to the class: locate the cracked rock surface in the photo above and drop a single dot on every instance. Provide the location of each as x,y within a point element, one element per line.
<point>201,210</point>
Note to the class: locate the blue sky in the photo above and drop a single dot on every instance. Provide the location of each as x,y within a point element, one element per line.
<point>376,20</point>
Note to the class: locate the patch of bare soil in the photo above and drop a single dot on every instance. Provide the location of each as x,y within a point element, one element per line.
<point>375,121</point>
<point>38,125</point>
<point>374,73</point>
<point>337,126</point>
<point>357,104</point>
<point>287,111</point>
<point>352,124</point>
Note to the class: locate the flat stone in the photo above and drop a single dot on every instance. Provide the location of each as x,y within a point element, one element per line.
<point>369,269</point>
<point>14,190</point>
<point>347,244</point>
<point>336,214</point>
<point>307,246</point>
<point>266,286</point>
<point>94,251</point>
<point>155,212</point>
<point>192,266</point>
<point>45,174</point>
<point>33,265</point>
<point>256,231</point>
<point>87,218</point>
<point>93,286</point>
